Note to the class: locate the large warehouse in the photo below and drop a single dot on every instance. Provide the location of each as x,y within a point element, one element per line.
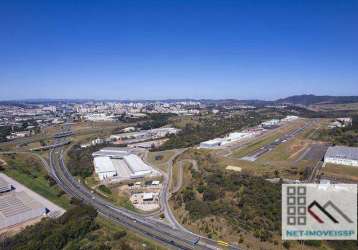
<point>342,155</point>
<point>18,207</point>
<point>114,163</point>
<point>4,186</point>
<point>232,137</point>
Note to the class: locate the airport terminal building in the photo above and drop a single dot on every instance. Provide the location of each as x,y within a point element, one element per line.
<point>342,155</point>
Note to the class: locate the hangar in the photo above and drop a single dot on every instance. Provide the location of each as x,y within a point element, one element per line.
<point>342,155</point>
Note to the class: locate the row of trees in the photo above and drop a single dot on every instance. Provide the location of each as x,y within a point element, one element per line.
<point>70,228</point>
<point>81,160</point>
<point>156,121</point>
<point>210,127</point>
<point>341,136</point>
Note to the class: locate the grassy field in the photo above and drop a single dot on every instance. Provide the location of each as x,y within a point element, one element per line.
<point>40,185</point>
<point>161,162</point>
<point>182,121</point>
<point>282,160</point>
<point>164,156</point>
<point>266,139</point>
<point>340,172</point>
<point>20,168</point>
<point>134,241</point>
<point>114,195</point>
<point>335,107</point>
<point>175,174</point>
<point>256,145</point>
<point>291,150</point>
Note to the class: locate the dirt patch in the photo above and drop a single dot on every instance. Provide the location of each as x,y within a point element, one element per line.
<point>3,163</point>
<point>233,168</point>
<point>11,231</point>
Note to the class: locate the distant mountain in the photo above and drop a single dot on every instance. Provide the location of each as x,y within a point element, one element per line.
<point>313,99</point>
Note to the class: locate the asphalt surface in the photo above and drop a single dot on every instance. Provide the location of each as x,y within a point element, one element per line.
<point>152,229</point>
<point>270,146</point>
<point>173,236</point>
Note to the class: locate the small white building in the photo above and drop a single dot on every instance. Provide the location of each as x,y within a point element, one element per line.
<point>16,135</point>
<point>236,136</point>
<point>97,141</point>
<point>342,155</point>
<point>148,196</point>
<point>270,123</point>
<point>155,182</point>
<point>289,118</point>
<point>128,129</point>
<point>341,122</point>
<point>101,117</point>
<point>211,143</point>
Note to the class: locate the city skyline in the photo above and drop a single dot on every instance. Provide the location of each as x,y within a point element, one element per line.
<point>165,50</point>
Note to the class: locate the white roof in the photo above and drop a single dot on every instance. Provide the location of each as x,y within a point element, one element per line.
<point>16,203</point>
<point>342,152</point>
<point>148,196</point>
<point>213,141</point>
<point>155,182</point>
<point>237,135</point>
<point>3,183</point>
<point>121,168</point>
<point>110,152</point>
<point>136,164</point>
<point>103,165</point>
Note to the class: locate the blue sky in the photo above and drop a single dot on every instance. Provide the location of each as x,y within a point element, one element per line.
<point>177,49</point>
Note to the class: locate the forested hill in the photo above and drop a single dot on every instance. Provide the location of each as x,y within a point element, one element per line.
<point>313,99</point>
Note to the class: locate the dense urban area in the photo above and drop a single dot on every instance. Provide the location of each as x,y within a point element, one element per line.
<point>179,174</point>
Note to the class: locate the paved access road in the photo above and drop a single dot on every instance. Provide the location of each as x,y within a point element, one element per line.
<point>173,237</point>
<point>152,229</point>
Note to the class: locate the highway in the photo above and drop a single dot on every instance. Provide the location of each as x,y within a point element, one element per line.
<point>173,236</point>
<point>176,237</point>
<point>161,232</point>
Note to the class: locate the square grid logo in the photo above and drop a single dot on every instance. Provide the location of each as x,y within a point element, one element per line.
<point>319,212</point>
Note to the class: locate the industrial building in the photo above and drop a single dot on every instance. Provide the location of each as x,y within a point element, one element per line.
<point>98,117</point>
<point>145,134</point>
<point>4,186</point>
<point>341,122</point>
<point>145,201</point>
<point>18,207</point>
<point>212,143</point>
<point>114,163</point>
<point>274,123</point>
<point>289,118</point>
<point>230,138</point>
<point>342,155</point>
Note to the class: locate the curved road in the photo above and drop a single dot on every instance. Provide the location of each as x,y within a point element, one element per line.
<point>174,237</point>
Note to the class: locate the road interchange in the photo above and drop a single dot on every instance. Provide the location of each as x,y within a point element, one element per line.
<point>173,236</point>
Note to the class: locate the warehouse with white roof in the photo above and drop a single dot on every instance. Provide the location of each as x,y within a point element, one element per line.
<point>342,155</point>
<point>230,138</point>
<point>4,186</point>
<point>114,163</point>
<point>18,207</point>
